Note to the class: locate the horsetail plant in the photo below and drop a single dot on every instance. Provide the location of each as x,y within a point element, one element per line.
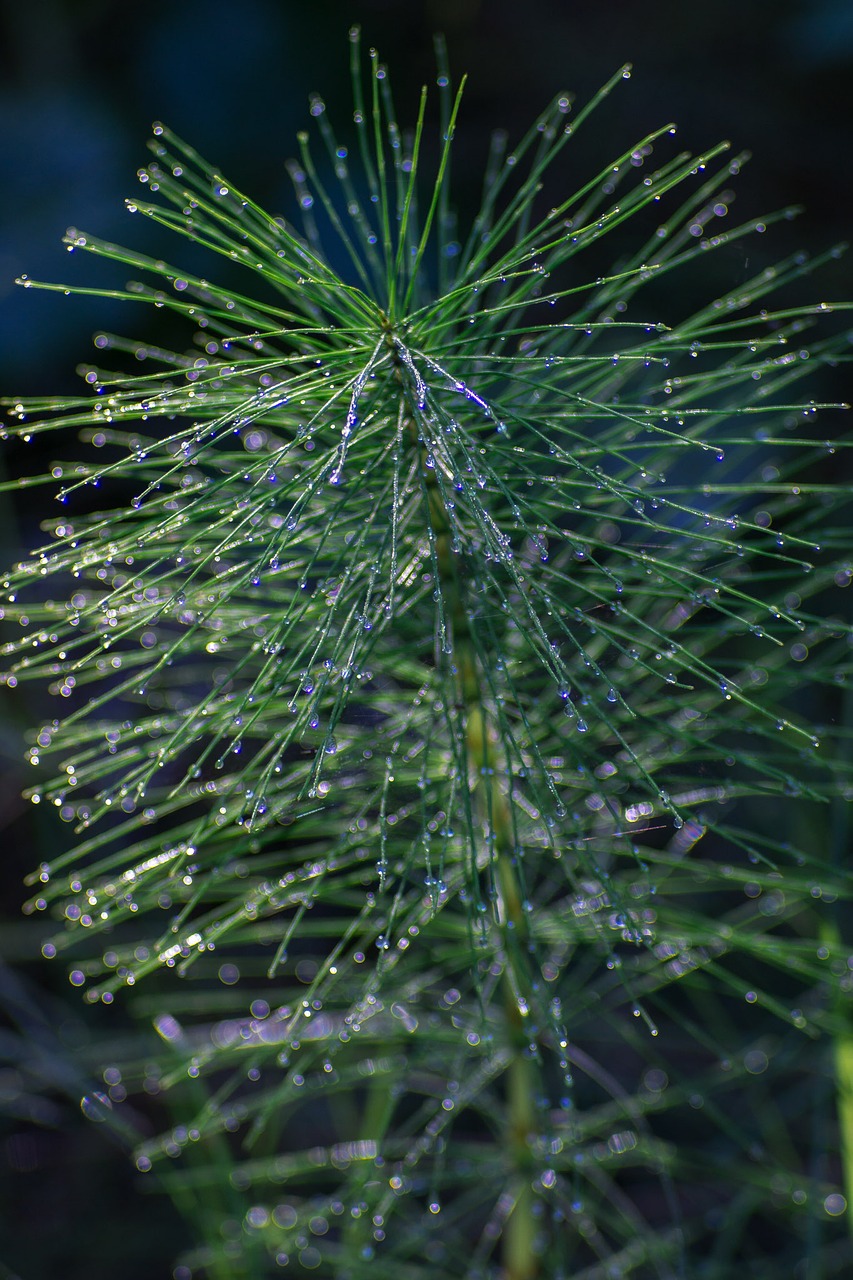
<point>432,707</point>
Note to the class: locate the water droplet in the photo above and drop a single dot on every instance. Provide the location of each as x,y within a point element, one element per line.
<point>96,1106</point>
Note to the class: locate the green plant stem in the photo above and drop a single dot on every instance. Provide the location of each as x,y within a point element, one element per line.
<point>371,1125</point>
<point>842,1051</point>
<point>832,935</point>
<point>484,761</point>
<point>519,1258</point>
<point>217,1202</point>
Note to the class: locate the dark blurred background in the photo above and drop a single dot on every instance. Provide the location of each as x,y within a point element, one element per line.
<point>81,82</point>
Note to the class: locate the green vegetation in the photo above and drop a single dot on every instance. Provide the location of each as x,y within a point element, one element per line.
<point>440,676</point>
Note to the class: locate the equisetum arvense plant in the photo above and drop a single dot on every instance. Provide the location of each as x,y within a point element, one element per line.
<point>433,671</point>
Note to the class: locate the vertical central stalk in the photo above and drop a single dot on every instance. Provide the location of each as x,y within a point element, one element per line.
<point>486,766</point>
<point>482,745</point>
